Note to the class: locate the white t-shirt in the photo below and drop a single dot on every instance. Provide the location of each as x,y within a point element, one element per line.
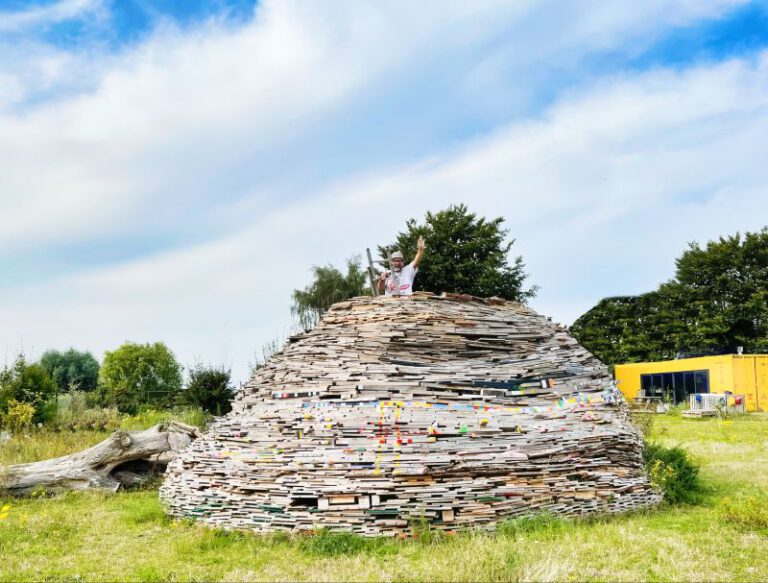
<point>401,283</point>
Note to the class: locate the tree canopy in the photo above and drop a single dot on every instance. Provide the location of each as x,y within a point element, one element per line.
<point>210,389</point>
<point>72,369</point>
<point>715,303</point>
<point>329,286</point>
<point>464,254</point>
<point>139,374</point>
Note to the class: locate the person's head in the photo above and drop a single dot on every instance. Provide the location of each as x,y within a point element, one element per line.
<point>396,261</point>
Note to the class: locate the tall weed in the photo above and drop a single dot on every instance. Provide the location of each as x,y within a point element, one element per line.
<point>643,420</point>
<point>746,509</point>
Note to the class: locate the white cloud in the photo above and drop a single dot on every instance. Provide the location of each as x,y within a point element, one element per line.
<point>602,194</point>
<point>164,122</point>
<point>174,114</point>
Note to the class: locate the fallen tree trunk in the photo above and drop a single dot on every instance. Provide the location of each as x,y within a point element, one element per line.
<point>123,459</point>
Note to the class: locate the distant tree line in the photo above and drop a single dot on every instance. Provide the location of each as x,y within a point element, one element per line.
<point>131,378</point>
<point>716,302</point>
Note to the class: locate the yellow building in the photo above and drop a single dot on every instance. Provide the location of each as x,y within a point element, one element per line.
<point>744,374</point>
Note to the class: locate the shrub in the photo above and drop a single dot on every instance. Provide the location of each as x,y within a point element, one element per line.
<point>209,388</point>
<point>673,472</point>
<point>48,411</point>
<point>17,416</point>
<point>25,383</point>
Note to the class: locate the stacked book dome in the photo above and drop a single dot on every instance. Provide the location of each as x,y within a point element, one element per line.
<point>450,409</point>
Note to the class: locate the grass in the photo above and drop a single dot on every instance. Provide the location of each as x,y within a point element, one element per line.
<point>126,536</point>
<point>39,444</point>
<point>35,445</point>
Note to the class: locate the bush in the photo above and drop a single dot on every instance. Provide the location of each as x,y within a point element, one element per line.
<point>25,383</point>
<point>673,472</point>
<point>48,411</point>
<point>17,416</point>
<point>209,388</point>
<point>101,419</point>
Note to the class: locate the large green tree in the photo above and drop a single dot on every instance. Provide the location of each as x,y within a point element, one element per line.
<point>329,285</point>
<point>627,329</point>
<point>464,254</point>
<point>721,293</point>
<point>140,374</point>
<point>716,302</point>
<point>72,369</point>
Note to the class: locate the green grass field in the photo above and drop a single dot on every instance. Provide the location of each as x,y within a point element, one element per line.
<point>126,536</point>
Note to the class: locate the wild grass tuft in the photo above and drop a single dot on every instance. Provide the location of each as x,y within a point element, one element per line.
<point>643,420</point>
<point>218,539</point>
<point>334,544</point>
<point>149,417</point>
<point>144,511</point>
<point>542,524</point>
<point>747,509</point>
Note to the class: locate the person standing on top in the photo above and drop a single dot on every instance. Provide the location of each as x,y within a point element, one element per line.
<point>399,280</point>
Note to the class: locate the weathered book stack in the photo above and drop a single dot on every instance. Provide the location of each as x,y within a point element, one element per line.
<point>453,410</point>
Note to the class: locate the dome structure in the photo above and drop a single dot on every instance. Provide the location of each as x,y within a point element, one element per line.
<point>450,409</point>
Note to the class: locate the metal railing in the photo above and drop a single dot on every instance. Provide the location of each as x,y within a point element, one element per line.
<point>727,402</point>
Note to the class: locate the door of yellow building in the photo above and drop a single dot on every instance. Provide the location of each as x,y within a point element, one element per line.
<point>744,380</point>
<point>761,374</point>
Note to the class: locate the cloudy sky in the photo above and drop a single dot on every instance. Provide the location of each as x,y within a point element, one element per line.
<point>171,169</point>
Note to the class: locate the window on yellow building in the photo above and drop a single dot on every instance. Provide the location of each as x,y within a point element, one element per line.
<point>674,386</point>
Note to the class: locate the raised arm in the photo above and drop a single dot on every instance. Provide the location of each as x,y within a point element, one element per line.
<point>419,253</point>
<point>380,283</point>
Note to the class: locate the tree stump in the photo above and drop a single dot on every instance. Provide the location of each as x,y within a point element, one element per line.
<point>123,459</point>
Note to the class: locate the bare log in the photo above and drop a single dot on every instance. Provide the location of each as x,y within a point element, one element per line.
<point>123,459</point>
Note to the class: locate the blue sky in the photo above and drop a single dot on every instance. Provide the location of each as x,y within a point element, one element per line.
<point>172,170</point>
<point>121,23</point>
